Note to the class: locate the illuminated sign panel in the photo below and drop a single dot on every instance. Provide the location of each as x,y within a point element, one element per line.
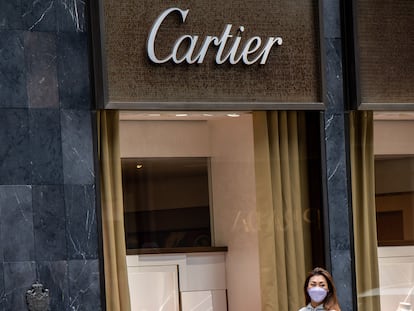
<point>206,54</point>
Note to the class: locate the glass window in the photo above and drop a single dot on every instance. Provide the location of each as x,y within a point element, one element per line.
<point>191,185</point>
<point>394,200</point>
<point>166,202</point>
<point>393,149</point>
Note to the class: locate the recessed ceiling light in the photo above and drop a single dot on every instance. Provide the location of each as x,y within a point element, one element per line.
<point>139,166</point>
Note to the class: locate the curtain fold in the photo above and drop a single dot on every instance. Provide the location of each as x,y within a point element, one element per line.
<point>363,202</point>
<point>284,236</point>
<point>116,276</point>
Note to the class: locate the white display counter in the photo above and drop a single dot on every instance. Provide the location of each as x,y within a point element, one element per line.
<point>178,282</point>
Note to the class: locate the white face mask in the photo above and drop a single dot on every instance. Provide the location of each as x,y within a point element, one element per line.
<point>317,293</point>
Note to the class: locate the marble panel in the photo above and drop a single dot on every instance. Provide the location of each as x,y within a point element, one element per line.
<point>39,15</point>
<point>339,229</point>
<point>13,72</point>
<point>2,290</point>
<point>84,285</point>
<point>18,278</point>
<point>81,222</point>
<point>338,184</point>
<point>10,15</point>
<point>46,146</point>
<point>343,277</point>
<point>337,181</point>
<point>14,152</point>
<point>334,98</point>
<point>1,246</point>
<point>73,70</point>
<point>71,15</point>
<point>16,223</point>
<point>331,19</point>
<point>49,223</point>
<point>77,147</point>
<point>335,151</point>
<point>41,64</point>
<point>54,276</point>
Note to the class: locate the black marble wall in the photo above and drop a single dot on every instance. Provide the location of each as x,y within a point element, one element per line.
<point>340,255</point>
<point>48,224</point>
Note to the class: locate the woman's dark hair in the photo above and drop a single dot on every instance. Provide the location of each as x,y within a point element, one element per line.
<point>331,301</point>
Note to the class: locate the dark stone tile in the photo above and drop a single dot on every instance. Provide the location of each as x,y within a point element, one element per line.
<point>16,223</point>
<point>84,286</point>
<point>41,64</point>
<point>73,71</point>
<point>81,223</point>
<point>54,276</point>
<point>337,178</point>
<point>335,143</point>
<point>46,146</point>
<point>39,15</point>
<point>77,147</point>
<point>331,19</point>
<point>342,274</point>
<point>1,238</point>
<point>71,16</point>
<point>2,291</point>
<point>18,278</point>
<point>14,152</point>
<point>10,15</point>
<point>49,223</point>
<point>339,229</point>
<point>12,70</point>
<point>334,97</point>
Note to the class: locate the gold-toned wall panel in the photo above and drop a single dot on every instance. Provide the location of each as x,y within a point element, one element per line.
<point>386,50</point>
<point>291,74</point>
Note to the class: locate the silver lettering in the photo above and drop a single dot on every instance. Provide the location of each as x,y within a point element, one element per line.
<point>189,53</point>
<point>250,52</point>
<point>154,31</point>
<point>203,50</point>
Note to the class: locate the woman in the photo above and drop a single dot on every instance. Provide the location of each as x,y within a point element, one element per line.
<point>320,292</point>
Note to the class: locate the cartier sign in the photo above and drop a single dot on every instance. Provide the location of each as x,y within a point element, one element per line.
<point>230,47</point>
<point>204,54</point>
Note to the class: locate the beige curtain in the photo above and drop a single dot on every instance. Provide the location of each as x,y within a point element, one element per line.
<point>284,236</point>
<point>363,202</point>
<point>116,276</point>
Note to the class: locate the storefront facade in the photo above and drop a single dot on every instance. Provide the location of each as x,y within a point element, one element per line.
<point>63,64</point>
